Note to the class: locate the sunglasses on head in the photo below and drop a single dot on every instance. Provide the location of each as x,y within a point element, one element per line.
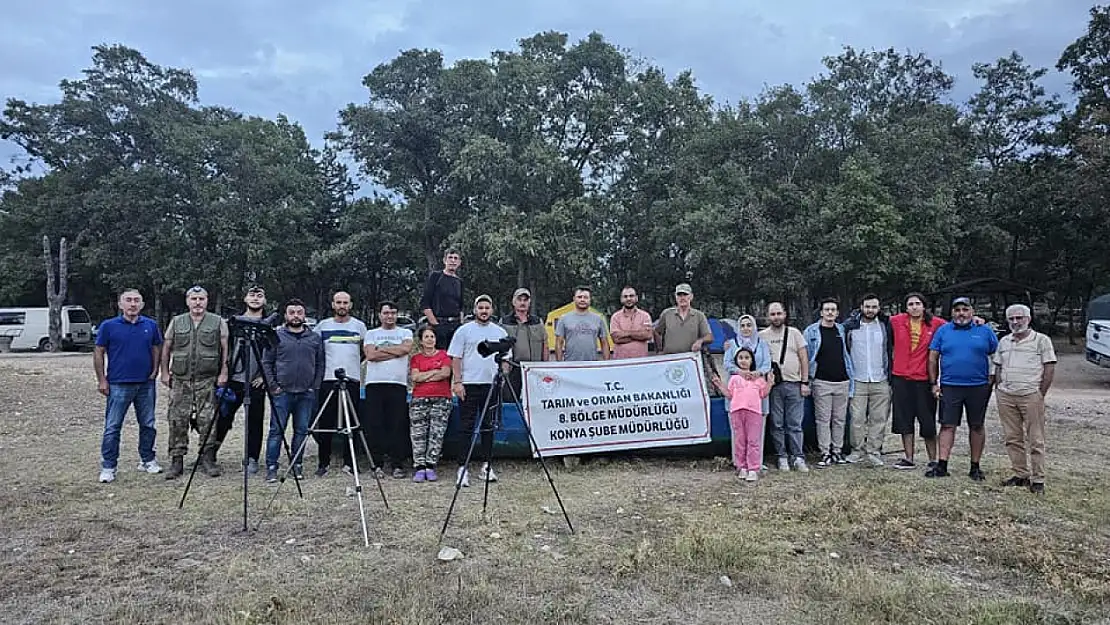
<point>195,289</point>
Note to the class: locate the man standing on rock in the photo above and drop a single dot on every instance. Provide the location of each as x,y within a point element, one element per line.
<point>959,368</point>
<point>443,297</point>
<point>133,345</point>
<point>1024,366</point>
<point>790,367</point>
<point>194,363</point>
<point>579,332</point>
<point>630,327</point>
<point>869,345</point>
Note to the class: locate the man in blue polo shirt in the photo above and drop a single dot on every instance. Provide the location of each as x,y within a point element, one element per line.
<point>959,369</point>
<point>133,345</point>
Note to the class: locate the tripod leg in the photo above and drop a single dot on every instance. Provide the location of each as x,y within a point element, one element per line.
<point>543,463</point>
<point>345,408</point>
<point>200,452</point>
<point>458,482</point>
<point>366,449</point>
<point>304,443</point>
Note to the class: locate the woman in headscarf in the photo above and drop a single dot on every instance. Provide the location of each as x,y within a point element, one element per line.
<point>748,337</point>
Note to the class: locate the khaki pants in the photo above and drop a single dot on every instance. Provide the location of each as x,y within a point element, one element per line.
<point>870,408</point>
<point>1022,418</point>
<point>830,411</point>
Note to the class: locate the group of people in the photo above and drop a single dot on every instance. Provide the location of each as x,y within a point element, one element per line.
<point>867,364</point>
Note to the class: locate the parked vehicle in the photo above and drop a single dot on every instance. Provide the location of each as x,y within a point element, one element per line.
<point>1098,331</point>
<point>29,328</point>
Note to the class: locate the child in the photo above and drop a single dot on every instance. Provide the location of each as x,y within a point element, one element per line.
<point>745,415</point>
<point>431,405</point>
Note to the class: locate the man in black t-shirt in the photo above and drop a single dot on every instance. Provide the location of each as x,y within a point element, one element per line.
<point>442,299</point>
<point>830,372</point>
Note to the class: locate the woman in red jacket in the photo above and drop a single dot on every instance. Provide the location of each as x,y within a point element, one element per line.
<point>911,394</point>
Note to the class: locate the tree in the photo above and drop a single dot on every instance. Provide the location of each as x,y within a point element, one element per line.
<point>57,282</point>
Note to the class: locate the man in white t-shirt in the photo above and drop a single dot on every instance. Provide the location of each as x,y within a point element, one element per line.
<point>342,336</point>
<point>387,349</point>
<point>472,376</point>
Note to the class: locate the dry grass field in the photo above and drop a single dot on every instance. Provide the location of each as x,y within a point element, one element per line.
<point>658,541</point>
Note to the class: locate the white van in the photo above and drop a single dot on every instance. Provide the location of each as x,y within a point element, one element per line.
<point>1098,331</point>
<point>29,328</point>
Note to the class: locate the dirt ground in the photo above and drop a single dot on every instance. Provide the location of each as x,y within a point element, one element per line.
<point>656,541</point>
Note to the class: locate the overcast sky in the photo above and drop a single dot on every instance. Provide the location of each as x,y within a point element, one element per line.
<point>307,59</point>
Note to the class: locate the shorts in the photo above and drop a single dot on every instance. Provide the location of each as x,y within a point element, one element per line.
<point>912,400</point>
<point>955,400</point>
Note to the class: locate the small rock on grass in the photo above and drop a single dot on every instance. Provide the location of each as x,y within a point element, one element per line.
<point>448,554</point>
<point>725,581</point>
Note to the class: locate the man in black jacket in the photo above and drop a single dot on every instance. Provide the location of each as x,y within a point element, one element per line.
<point>295,370</point>
<point>868,338</point>
<point>442,300</point>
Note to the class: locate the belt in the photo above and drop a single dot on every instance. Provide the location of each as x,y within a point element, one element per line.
<point>438,318</point>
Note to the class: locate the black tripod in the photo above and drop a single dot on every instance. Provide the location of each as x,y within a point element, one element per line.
<point>249,336</point>
<point>346,423</point>
<point>495,394</point>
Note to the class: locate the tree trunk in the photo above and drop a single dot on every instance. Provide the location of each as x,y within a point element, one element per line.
<point>56,286</point>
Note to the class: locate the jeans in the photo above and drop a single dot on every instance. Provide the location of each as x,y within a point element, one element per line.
<point>300,406</point>
<point>120,398</point>
<point>787,412</point>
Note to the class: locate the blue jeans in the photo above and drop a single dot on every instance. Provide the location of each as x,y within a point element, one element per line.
<point>787,412</point>
<point>120,398</point>
<point>300,405</point>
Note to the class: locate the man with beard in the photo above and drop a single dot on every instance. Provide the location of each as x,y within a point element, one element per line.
<point>630,327</point>
<point>387,349</point>
<point>342,335</point>
<point>578,332</point>
<point>529,335</point>
<point>295,370</point>
<point>1024,366</point>
<point>959,369</point>
<point>443,297</point>
<point>911,392</point>
<point>472,376</point>
<point>255,301</point>
<point>194,363</point>
<point>790,368</point>
<point>830,374</point>
<point>869,345</point>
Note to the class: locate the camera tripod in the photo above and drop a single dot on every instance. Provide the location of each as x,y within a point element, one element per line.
<point>495,394</point>
<point>247,344</point>
<point>346,423</point>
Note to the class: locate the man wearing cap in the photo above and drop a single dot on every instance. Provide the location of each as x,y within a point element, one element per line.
<point>630,327</point>
<point>472,377</point>
<point>682,328</point>
<point>530,336</point>
<point>442,300</point>
<point>1024,366</point>
<point>194,363</point>
<point>255,302</point>
<point>959,369</point>
<point>579,332</point>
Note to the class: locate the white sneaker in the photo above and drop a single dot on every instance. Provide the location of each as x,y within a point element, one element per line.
<point>150,467</point>
<point>462,477</point>
<point>854,457</point>
<point>800,465</point>
<point>753,476</point>
<point>875,460</point>
<point>107,475</point>
<point>487,474</point>
<point>784,464</point>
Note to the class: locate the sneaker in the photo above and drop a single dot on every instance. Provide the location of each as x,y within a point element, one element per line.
<point>271,474</point>
<point>977,475</point>
<point>1037,488</point>
<point>784,464</point>
<point>854,458</point>
<point>321,471</point>
<point>936,471</point>
<point>150,467</point>
<point>463,477</point>
<point>298,472</point>
<point>932,464</point>
<point>430,475</point>
<point>418,475</point>
<point>800,465</point>
<point>1016,481</point>
<point>826,460</point>
<point>399,473</point>
<point>753,476</point>
<point>487,474</point>
<point>905,464</point>
<point>875,461</point>
<point>107,475</point>
<point>838,458</point>
<point>252,466</point>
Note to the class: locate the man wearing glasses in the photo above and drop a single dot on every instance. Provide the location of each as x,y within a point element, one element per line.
<point>194,363</point>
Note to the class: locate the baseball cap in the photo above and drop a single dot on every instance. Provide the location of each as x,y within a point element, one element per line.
<point>961,300</point>
<point>521,291</point>
<point>683,288</point>
<point>483,298</point>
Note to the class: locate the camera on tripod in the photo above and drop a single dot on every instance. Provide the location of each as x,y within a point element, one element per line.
<point>497,348</point>
<point>260,331</point>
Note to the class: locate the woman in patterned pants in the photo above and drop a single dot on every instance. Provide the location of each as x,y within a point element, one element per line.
<point>431,405</point>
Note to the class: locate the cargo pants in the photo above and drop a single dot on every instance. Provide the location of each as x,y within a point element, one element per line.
<point>191,401</point>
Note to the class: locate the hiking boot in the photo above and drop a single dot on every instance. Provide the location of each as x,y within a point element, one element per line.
<point>854,458</point>
<point>107,475</point>
<point>252,466</point>
<point>800,465</point>
<point>1016,481</point>
<point>905,464</point>
<point>784,464</point>
<point>177,468</point>
<point>149,467</point>
<point>208,463</point>
<point>936,471</point>
<point>977,474</point>
<point>1037,488</point>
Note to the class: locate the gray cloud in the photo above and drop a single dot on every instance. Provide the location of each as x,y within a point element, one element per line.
<point>307,61</point>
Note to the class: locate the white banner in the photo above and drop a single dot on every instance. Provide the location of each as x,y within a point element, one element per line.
<point>590,407</point>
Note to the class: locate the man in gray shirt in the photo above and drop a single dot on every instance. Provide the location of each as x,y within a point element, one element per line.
<point>577,333</point>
